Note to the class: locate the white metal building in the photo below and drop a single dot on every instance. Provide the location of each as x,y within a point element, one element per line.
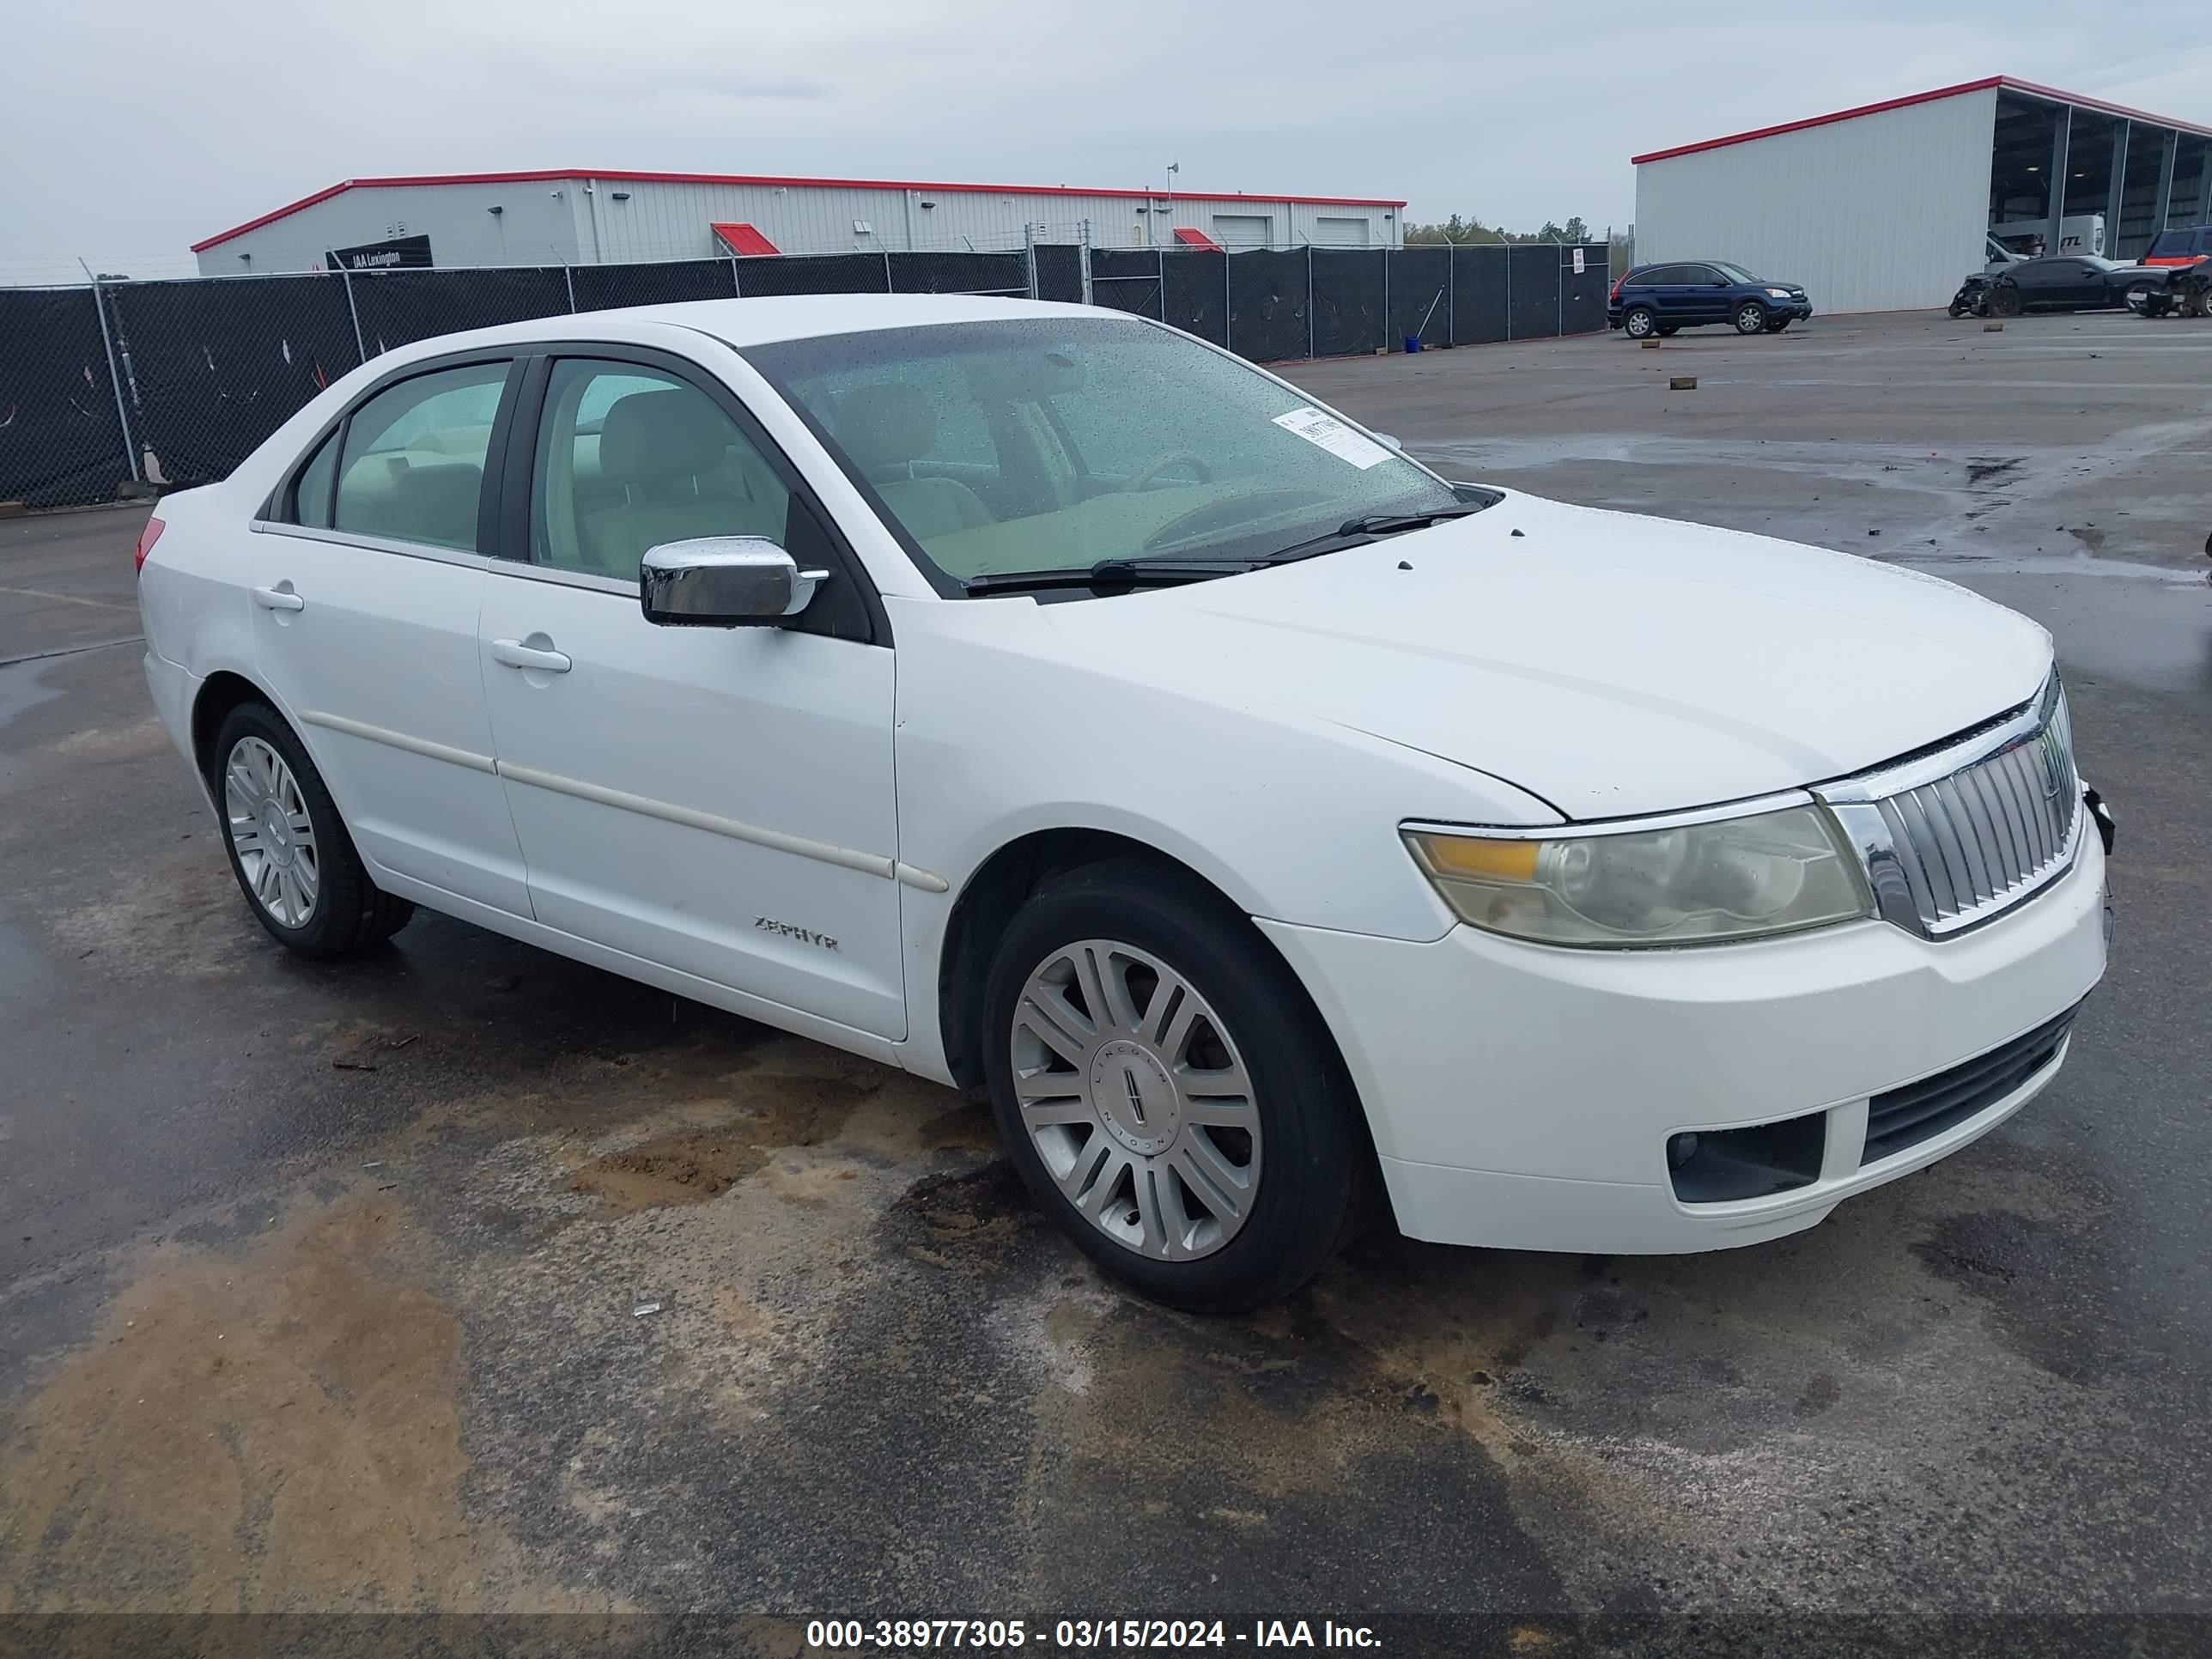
<point>612,218</point>
<point>1887,207</point>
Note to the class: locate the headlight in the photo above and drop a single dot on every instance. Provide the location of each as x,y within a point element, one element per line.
<point>1682,883</point>
<point>1780,292</point>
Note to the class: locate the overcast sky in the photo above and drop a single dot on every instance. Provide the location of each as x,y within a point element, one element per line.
<point>135,127</point>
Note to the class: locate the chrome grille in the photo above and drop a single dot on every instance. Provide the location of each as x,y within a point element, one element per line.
<point>1959,836</point>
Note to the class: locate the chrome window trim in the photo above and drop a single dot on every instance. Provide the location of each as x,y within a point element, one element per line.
<point>374,543</point>
<point>591,581</point>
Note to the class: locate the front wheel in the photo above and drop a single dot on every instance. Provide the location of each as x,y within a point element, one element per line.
<point>1639,324</point>
<point>2006,301</point>
<point>289,848</point>
<point>1166,1089</point>
<point>1751,318</point>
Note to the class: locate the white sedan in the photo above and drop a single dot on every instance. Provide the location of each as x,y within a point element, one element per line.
<point>1037,698</point>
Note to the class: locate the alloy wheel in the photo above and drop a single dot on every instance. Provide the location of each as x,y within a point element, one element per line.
<point>271,831</point>
<point>1133,1094</point>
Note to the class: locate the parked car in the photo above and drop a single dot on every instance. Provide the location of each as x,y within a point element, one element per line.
<point>1972,297</point>
<point>1038,698</point>
<point>1663,298</point>
<point>2192,247</point>
<point>2070,282</point>
<point>2186,292</point>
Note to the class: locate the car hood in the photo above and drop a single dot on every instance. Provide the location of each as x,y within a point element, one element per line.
<point>1610,664</point>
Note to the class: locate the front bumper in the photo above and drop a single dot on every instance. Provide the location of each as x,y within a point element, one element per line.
<point>1522,1097</point>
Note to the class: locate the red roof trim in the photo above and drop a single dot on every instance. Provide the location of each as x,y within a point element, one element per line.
<point>744,239</point>
<point>1190,238</point>
<point>619,176</point>
<point>2002,82</point>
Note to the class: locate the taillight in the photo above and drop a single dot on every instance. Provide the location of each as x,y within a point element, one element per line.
<point>147,538</point>
<point>1617,287</point>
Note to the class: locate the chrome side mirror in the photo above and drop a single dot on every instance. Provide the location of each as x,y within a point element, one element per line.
<point>723,582</point>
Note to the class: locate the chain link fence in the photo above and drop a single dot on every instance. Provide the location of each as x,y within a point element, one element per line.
<point>122,387</point>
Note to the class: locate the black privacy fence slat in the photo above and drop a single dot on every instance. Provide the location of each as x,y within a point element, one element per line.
<point>1269,294</point>
<point>1478,294</point>
<point>825,273</point>
<point>1059,272</point>
<point>1194,295</point>
<point>1348,297</point>
<point>61,442</point>
<point>960,273</point>
<point>603,287</point>
<point>1128,279</point>
<point>1420,296</point>
<point>399,307</point>
<point>212,368</point>
<point>202,370</point>
<point>1531,282</point>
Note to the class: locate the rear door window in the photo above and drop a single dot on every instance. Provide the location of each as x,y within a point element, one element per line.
<point>412,466</point>
<point>311,490</point>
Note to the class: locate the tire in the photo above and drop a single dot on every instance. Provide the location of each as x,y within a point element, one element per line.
<point>2006,300</point>
<point>1751,318</point>
<point>1279,1130</point>
<point>1639,324</point>
<point>309,889</point>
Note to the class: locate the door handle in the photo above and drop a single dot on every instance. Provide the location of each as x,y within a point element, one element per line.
<point>515,654</point>
<point>280,597</point>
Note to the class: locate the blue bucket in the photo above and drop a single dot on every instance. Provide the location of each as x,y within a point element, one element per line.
<point>1412,342</point>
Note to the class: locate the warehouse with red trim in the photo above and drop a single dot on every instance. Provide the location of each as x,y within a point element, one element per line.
<point>1886,206</point>
<point>566,217</point>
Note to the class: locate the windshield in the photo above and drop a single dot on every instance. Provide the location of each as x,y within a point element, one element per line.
<point>1053,443</point>
<point>1735,273</point>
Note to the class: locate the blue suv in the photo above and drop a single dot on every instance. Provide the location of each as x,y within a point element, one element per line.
<point>1660,299</point>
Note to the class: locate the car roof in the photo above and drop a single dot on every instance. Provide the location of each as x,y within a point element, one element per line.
<point>751,322</point>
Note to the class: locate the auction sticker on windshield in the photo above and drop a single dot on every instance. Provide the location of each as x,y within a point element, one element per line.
<point>1325,431</point>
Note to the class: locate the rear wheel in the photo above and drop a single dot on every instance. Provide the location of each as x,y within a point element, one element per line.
<point>289,848</point>
<point>1639,324</point>
<point>1167,1091</point>
<point>1751,318</point>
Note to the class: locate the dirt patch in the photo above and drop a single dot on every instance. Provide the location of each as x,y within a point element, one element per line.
<point>691,1165</point>
<point>274,1432</point>
<point>182,916</point>
<point>141,740</point>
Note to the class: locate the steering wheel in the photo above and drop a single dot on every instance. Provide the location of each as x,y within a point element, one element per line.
<point>1149,474</point>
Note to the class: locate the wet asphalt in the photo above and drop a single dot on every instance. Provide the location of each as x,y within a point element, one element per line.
<point>320,1283</point>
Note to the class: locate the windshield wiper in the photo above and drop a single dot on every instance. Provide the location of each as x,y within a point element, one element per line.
<point>1109,573</point>
<point>1357,532</point>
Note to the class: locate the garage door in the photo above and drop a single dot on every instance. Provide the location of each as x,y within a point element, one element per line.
<point>1244,229</point>
<point>1340,233</point>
